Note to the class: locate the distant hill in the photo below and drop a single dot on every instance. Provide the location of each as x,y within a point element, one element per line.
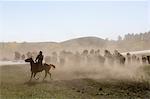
<point>8,49</point>
<point>84,42</point>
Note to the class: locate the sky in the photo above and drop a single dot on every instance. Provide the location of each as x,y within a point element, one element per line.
<point>48,20</point>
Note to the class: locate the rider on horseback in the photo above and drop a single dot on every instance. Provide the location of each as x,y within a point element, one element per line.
<point>39,58</point>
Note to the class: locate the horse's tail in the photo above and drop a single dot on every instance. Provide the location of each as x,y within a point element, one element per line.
<point>49,65</point>
<point>53,65</point>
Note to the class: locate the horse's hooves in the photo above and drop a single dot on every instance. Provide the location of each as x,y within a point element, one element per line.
<point>37,78</point>
<point>29,81</point>
<point>45,81</point>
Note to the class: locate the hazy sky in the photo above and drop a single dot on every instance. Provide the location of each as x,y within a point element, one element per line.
<point>63,20</point>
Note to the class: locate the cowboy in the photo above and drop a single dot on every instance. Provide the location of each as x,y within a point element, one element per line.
<point>39,58</point>
<point>148,58</point>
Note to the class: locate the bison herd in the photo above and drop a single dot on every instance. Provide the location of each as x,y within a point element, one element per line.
<point>94,57</point>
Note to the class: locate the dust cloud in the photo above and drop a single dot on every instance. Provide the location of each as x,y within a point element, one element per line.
<point>89,64</point>
<point>93,70</point>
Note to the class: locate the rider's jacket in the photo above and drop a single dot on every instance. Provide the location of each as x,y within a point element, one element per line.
<point>39,58</point>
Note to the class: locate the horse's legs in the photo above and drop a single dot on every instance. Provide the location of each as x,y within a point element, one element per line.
<point>49,74</point>
<point>31,76</point>
<point>35,75</point>
<point>45,75</point>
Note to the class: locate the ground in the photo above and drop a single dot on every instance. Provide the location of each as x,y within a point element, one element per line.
<point>15,85</point>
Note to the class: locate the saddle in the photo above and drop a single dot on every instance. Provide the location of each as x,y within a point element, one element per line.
<point>39,66</point>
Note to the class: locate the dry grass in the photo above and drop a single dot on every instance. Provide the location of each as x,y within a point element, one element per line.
<point>15,85</point>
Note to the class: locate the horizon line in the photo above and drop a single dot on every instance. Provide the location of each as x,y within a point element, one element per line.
<point>48,41</point>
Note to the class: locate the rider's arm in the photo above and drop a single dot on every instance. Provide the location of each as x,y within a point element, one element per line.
<point>37,58</point>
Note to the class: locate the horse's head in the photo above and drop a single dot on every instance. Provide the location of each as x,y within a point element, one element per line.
<point>29,60</point>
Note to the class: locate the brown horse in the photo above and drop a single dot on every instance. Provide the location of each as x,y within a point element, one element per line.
<point>35,68</point>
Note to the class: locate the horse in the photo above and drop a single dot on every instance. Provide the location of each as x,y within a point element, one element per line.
<point>35,68</point>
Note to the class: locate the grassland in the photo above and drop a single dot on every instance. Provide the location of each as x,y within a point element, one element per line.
<point>14,85</point>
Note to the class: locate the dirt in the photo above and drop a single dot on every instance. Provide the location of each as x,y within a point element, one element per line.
<point>69,85</point>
